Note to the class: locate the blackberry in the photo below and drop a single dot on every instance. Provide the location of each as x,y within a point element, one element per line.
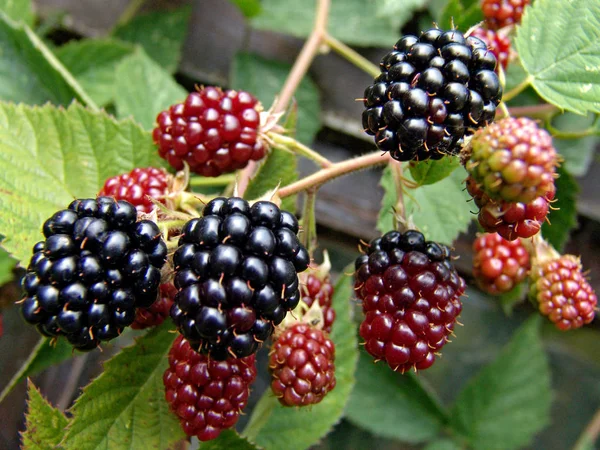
<point>302,368</point>
<point>501,13</point>
<point>498,264</point>
<point>158,311</point>
<point>432,92</point>
<point>213,131</point>
<point>497,43</point>
<point>236,274</point>
<point>410,295</point>
<point>562,293</point>
<point>513,160</point>
<point>136,186</point>
<point>96,266</point>
<point>207,396</point>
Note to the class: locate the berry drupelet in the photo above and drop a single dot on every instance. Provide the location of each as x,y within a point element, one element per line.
<point>158,311</point>
<point>501,13</point>
<point>213,131</point>
<point>137,186</point>
<point>96,266</point>
<point>497,43</point>
<point>236,275</point>
<point>207,396</point>
<point>410,295</point>
<point>432,92</point>
<point>315,285</point>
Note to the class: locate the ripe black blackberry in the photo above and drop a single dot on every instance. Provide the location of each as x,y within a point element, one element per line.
<point>410,294</point>
<point>432,92</point>
<point>236,274</point>
<point>96,266</point>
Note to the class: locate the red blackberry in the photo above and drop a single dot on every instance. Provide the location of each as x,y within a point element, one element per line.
<point>513,160</point>
<point>236,274</point>
<point>562,293</point>
<point>410,295</point>
<point>214,131</point>
<point>316,285</point>
<point>501,13</point>
<point>497,43</point>
<point>302,367</point>
<point>96,266</point>
<point>206,395</point>
<point>136,186</point>
<point>158,311</point>
<point>433,90</point>
<point>498,264</point>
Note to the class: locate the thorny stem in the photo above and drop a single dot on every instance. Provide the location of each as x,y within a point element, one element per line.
<point>396,168</point>
<point>244,177</point>
<point>543,111</point>
<point>129,12</point>
<point>292,145</point>
<point>508,96</point>
<point>223,180</point>
<point>334,171</point>
<point>590,434</point>
<point>309,225</point>
<point>352,56</point>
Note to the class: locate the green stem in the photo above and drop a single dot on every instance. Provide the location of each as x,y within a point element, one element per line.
<point>590,434</point>
<point>292,145</point>
<point>508,96</point>
<point>352,56</point>
<point>544,111</point>
<point>591,131</point>
<point>223,180</point>
<point>309,223</point>
<point>132,8</point>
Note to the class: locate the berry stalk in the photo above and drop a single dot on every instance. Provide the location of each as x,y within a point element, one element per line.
<point>222,180</point>
<point>509,95</point>
<point>352,56</point>
<point>292,145</point>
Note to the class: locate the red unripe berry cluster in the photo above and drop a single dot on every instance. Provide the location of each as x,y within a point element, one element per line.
<point>137,186</point>
<point>501,13</point>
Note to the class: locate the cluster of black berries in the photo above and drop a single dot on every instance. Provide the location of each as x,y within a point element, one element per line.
<point>432,91</point>
<point>236,272</point>
<point>96,266</point>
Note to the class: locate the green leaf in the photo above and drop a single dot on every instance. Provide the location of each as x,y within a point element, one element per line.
<point>385,221</point>
<point>440,210</point>
<point>359,22</point>
<point>276,427</point>
<point>443,444</point>
<point>160,33</point>
<point>460,15</point>
<point>513,297</point>
<point>7,264</point>
<point>18,10</point>
<point>50,156</point>
<point>143,89</point>
<point>44,425</point>
<point>579,153</point>
<point>508,401</point>
<point>249,8</point>
<point>430,171</point>
<point>228,439</point>
<point>125,407</point>
<point>264,78</point>
<point>563,216</point>
<point>399,406</point>
<point>30,73</point>
<point>561,52</point>
<point>94,63</point>
<point>453,10</point>
<point>44,355</point>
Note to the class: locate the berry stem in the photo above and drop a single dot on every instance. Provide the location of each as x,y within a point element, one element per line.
<point>543,111</point>
<point>508,96</point>
<point>292,145</point>
<point>309,223</point>
<point>305,57</point>
<point>591,131</point>
<point>244,177</point>
<point>334,171</point>
<point>352,56</point>
<point>590,434</point>
<point>130,11</point>
<point>222,180</point>
<point>396,168</point>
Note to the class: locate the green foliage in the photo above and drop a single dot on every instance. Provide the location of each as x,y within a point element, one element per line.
<point>160,33</point>
<point>125,407</point>
<point>18,10</point>
<point>460,15</point>
<point>93,62</point>
<point>249,8</point>
<point>7,264</point>
<point>577,153</point>
<point>44,425</point>
<point>385,221</point>
<point>560,50</point>
<point>440,210</point>
<point>228,439</point>
<point>513,297</point>
<point>30,72</point>
<point>398,405</point>
<point>430,172</point>
<point>508,401</point>
<point>143,89</point>
<point>443,444</point>
<point>80,150</point>
<point>358,22</point>
<point>276,427</point>
<point>563,216</point>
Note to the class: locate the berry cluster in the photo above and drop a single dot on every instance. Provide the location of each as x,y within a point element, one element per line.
<point>137,187</point>
<point>96,266</point>
<point>158,311</point>
<point>318,289</point>
<point>410,295</point>
<point>433,91</point>
<point>562,293</point>
<point>501,13</point>
<point>236,272</point>
<point>206,395</point>
<point>302,367</point>
<point>213,131</point>
<point>498,264</point>
<point>513,160</point>
<point>497,43</point>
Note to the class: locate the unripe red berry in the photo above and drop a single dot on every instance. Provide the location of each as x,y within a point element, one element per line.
<point>501,13</point>
<point>158,312</point>
<point>313,288</point>
<point>498,44</point>
<point>136,186</point>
